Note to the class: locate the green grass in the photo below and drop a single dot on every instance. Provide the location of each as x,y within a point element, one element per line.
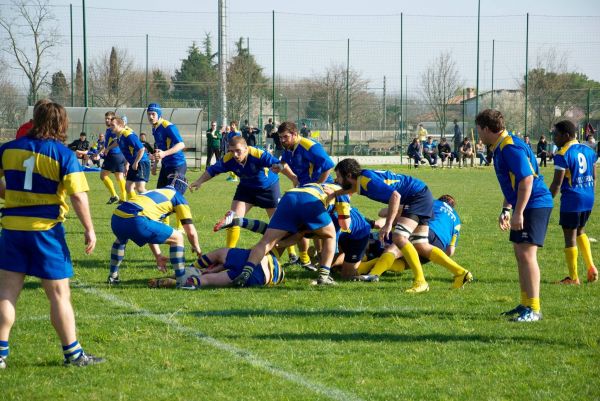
<point>298,342</point>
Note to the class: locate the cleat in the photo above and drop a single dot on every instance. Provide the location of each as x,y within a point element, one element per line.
<point>527,315</point>
<point>515,311</point>
<point>592,274</point>
<point>462,279</point>
<point>293,259</point>
<point>368,278</point>
<point>84,360</point>
<point>568,281</point>
<point>225,221</point>
<point>112,200</point>
<point>309,267</point>
<point>327,280</point>
<point>113,280</point>
<point>418,287</point>
<point>2,363</point>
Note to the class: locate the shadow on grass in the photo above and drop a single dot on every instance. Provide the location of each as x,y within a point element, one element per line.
<point>431,337</point>
<point>407,313</point>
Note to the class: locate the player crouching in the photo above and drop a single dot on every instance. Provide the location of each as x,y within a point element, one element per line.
<point>140,220</point>
<point>221,266</point>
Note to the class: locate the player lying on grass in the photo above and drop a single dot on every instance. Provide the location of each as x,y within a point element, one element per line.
<point>140,220</point>
<point>444,230</point>
<point>304,209</point>
<point>220,267</point>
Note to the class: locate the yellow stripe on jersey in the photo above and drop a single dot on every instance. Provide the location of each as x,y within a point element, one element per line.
<point>306,143</point>
<point>20,198</point>
<point>254,152</point>
<point>503,140</point>
<point>563,150</point>
<point>45,166</point>
<point>26,223</point>
<point>314,192</point>
<point>311,168</point>
<point>75,182</point>
<point>363,183</point>
<point>228,156</point>
<point>183,212</point>
<point>512,180</point>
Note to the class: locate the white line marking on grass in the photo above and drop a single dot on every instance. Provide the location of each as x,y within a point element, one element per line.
<point>168,319</point>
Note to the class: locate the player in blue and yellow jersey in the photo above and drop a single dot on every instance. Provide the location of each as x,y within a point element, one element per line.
<point>169,146</point>
<point>306,158</point>
<point>135,154</point>
<point>220,267</point>
<point>305,209</point>
<point>258,186</point>
<point>575,178</point>
<point>140,220</point>
<point>528,196</point>
<point>114,162</point>
<point>411,225</point>
<point>39,171</point>
<point>232,133</point>
<point>444,231</point>
<point>353,241</point>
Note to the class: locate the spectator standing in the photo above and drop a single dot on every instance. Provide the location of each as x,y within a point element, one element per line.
<point>268,130</point>
<point>422,133</point>
<point>457,139</point>
<point>304,131</point>
<point>542,150</point>
<point>213,143</point>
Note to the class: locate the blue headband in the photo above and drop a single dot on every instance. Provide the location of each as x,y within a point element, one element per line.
<point>155,107</point>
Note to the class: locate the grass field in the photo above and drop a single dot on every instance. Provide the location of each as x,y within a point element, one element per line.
<point>355,341</point>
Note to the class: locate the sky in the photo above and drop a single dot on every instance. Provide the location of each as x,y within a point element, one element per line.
<point>312,35</point>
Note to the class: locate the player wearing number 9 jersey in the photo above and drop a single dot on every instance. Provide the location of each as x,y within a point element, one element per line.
<point>575,176</point>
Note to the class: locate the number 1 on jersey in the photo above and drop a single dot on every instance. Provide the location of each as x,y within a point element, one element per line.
<point>29,164</point>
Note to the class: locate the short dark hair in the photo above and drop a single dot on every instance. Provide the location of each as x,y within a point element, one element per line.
<point>449,199</point>
<point>566,127</point>
<point>349,167</point>
<point>287,126</point>
<point>492,119</point>
<point>83,134</point>
<point>109,114</point>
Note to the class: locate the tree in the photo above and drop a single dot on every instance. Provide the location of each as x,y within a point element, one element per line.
<point>197,77</point>
<point>31,34</point>
<point>439,82</point>
<point>159,87</point>
<point>245,80</point>
<point>12,103</point>
<point>78,93</point>
<point>59,89</point>
<point>115,81</point>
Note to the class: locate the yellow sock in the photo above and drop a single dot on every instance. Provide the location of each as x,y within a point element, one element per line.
<point>524,299</point>
<point>383,264</point>
<point>398,266</point>
<point>130,195</point>
<point>291,250</point>
<point>412,259</point>
<point>534,304</point>
<point>583,242</point>
<point>109,185</point>
<point>121,184</point>
<point>232,237</point>
<point>304,258</point>
<point>167,221</point>
<point>365,267</point>
<point>571,256</point>
<point>439,257</point>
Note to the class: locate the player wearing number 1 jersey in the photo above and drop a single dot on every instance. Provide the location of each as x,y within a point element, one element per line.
<point>575,176</point>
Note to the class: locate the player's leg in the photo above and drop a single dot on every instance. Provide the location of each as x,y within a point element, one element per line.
<point>570,235</point>
<point>63,321</point>
<point>583,243</point>
<point>428,250</point>
<point>405,226</point>
<point>130,188</point>
<point>328,236</point>
<point>239,209</point>
<point>176,253</point>
<point>105,178</point>
<point>385,262</point>
<point>11,284</point>
<point>120,178</point>
<point>529,273</point>
<point>117,253</point>
<point>266,243</point>
<point>207,260</point>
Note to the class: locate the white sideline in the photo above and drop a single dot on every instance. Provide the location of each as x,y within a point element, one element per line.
<point>168,319</point>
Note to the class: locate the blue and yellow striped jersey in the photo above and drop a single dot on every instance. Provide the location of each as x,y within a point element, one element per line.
<point>359,226</point>
<point>513,161</point>
<point>380,184</point>
<point>156,205</point>
<point>254,173</point>
<point>577,189</point>
<point>38,175</point>
<point>110,137</point>
<point>308,160</point>
<point>166,135</point>
<point>340,204</point>
<point>445,223</point>
<point>232,134</point>
<point>130,144</point>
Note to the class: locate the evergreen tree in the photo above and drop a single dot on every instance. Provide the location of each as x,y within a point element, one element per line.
<point>78,101</point>
<point>59,89</point>
<point>113,73</point>
<point>196,78</point>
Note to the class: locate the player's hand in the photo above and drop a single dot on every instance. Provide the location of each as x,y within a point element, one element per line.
<point>384,233</point>
<point>161,263</point>
<point>516,222</point>
<point>243,278</point>
<point>158,154</point>
<point>504,220</point>
<point>276,168</point>
<point>134,166</point>
<point>197,251</point>
<point>195,186</point>
<point>90,241</point>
